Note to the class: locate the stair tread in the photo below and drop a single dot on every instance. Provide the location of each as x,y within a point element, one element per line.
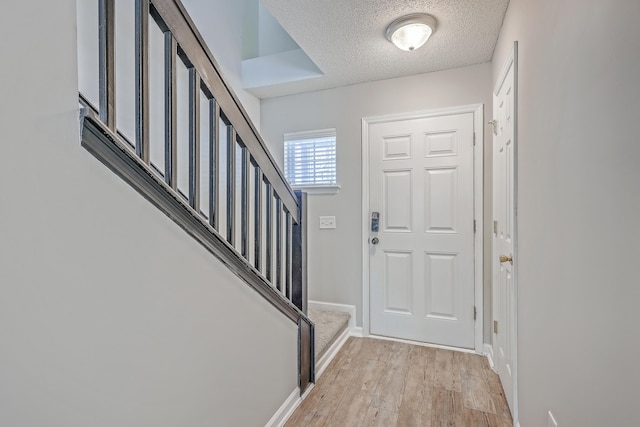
<point>328,326</point>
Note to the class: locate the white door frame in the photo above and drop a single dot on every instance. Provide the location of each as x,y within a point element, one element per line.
<point>478,174</point>
<point>512,60</point>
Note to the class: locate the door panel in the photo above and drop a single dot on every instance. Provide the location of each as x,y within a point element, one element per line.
<point>397,282</point>
<point>396,215</point>
<point>397,147</point>
<point>441,144</point>
<point>504,297</point>
<point>441,273</point>
<point>422,269</point>
<point>441,200</point>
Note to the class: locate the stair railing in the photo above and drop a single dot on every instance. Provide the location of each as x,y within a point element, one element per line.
<point>183,140</point>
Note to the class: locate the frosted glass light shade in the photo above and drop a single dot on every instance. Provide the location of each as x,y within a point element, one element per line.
<point>411,31</point>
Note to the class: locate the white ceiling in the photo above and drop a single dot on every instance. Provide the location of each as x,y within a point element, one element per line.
<point>346,38</point>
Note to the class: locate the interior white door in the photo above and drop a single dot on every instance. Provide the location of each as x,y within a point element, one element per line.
<point>422,256</point>
<point>504,298</point>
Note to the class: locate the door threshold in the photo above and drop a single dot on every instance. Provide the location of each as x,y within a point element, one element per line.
<point>424,344</point>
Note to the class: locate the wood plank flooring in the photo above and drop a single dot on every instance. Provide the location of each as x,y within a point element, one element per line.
<point>374,382</point>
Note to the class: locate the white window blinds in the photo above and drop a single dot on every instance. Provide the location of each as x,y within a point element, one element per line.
<point>310,157</point>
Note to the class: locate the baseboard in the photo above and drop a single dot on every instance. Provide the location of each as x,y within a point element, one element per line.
<point>357,332</point>
<point>488,351</point>
<point>331,352</point>
<point>342,308</point>
<point>285,411</point>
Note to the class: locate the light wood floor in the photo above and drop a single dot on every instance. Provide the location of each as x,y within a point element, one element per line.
<point>374,382</point>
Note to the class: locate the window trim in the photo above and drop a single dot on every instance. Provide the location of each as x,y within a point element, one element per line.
<point>319,188</point>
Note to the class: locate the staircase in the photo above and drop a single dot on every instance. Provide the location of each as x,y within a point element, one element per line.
<point>193,152</point>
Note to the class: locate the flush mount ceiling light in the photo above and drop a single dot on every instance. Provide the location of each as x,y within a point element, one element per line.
<point>409,32</point>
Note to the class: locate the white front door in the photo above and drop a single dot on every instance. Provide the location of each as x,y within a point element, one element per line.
<point>504,297</point>
<point>421,182</point>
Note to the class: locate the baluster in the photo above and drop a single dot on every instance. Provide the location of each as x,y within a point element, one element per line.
<point>170,110</point>
<point>278,243</point>
<point>269,232</point>
<point>194,139</point>
<point>214,154</point>
<point>288,245</point>
<point>204,132</point>
<point>245,202</point>
<point>142,79</point>
<point>257,234</point>
<point>231,184</point>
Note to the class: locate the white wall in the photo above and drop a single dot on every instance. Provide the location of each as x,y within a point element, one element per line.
<point>110,315</point>
<point>579,204</point>
<point>335,267</point>
<point>272,38</point>
<point>221,23</point>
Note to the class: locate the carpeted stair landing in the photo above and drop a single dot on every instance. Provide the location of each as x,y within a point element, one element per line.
<point>329,326</point>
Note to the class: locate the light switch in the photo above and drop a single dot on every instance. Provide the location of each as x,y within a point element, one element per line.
<point>327,222</point>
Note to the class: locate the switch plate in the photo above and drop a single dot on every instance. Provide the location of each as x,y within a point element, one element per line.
<point>327,222</point>
<point>552,421</point>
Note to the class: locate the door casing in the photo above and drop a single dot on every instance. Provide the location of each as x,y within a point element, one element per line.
<point>478,174</point>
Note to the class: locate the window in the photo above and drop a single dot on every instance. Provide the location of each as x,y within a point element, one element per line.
<point>310,159</point>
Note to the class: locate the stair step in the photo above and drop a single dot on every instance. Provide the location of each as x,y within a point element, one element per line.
<point>328,327</point>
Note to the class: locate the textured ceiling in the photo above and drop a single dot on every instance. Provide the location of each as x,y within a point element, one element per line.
<point>346,38</point>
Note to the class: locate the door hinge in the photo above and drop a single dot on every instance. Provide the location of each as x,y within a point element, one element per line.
<point>495,227</point>
<point>495,326</point>
<point>475,228</point>
<point>475,313</point>
<point>474,139</point>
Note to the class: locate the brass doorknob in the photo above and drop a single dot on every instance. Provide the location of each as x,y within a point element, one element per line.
<point>505,258</point>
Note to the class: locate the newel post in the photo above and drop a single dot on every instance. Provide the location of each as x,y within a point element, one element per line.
<point>299,256</point>
<point>306,359</point>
